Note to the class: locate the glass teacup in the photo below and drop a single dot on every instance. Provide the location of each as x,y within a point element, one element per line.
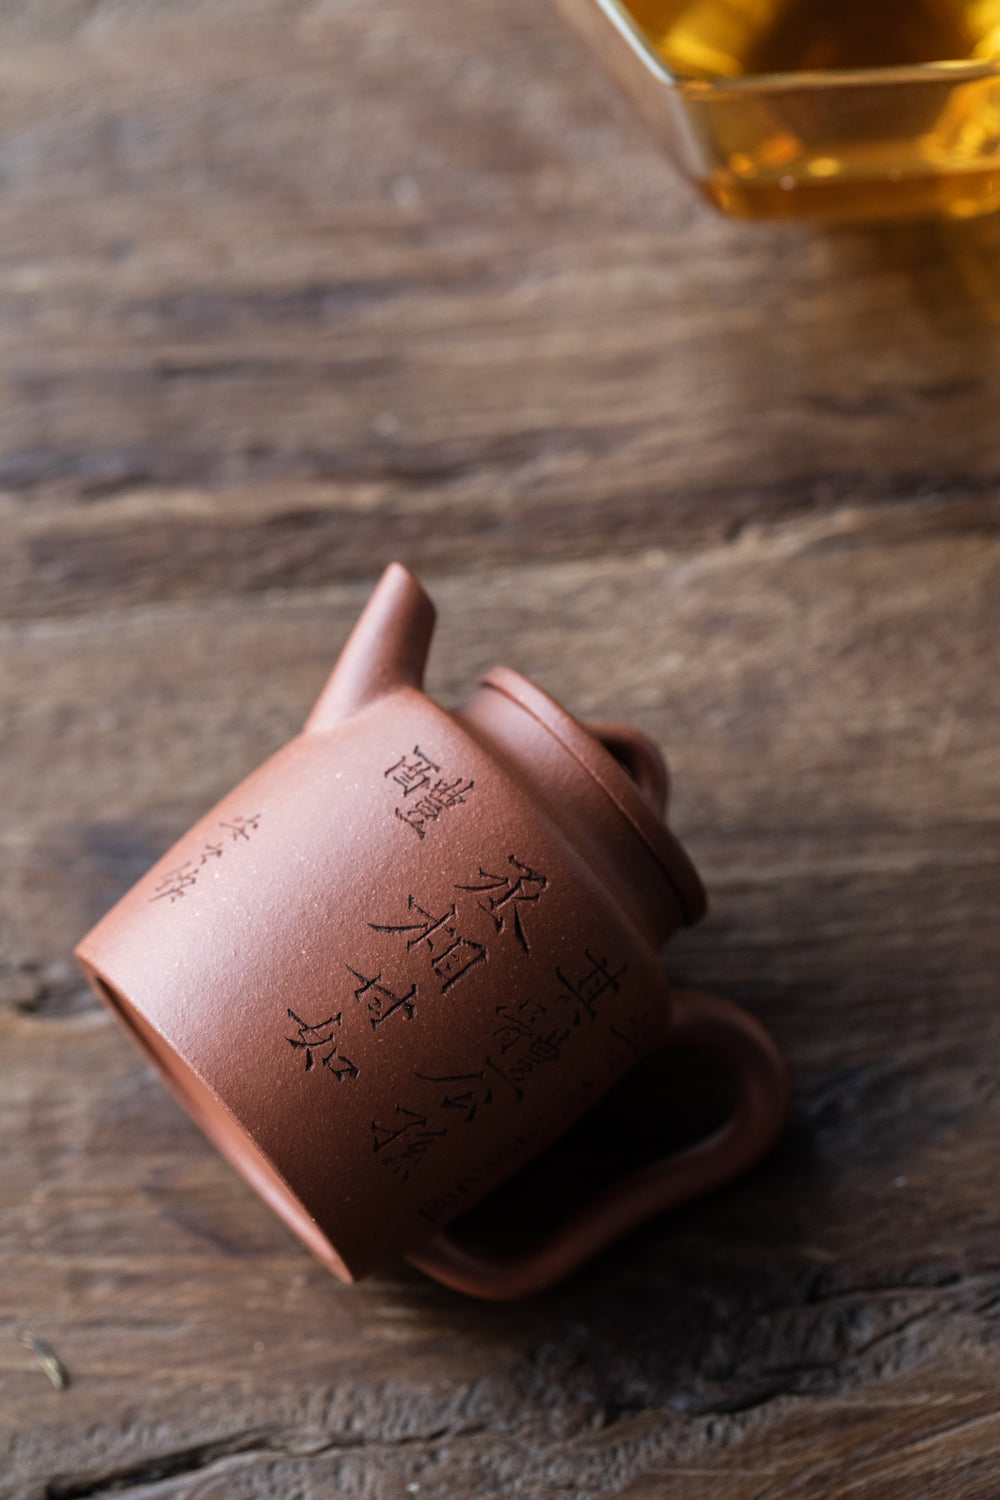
<point>782,109</point>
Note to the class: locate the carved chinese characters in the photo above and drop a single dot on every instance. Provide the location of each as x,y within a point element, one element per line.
<point>451,955</point>
<point>319,1042</point>
<point>437,950</point>
<point>526,1036</point>
<point>432,950</point>
<point>505,894</point>
<point>382,1002</point>
<point>418,776</point>
<point>176,883</point>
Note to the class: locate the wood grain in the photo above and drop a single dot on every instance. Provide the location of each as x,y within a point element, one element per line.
<point>290,290</point>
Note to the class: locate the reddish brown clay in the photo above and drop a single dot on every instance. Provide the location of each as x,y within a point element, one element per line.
<point>414,948</point>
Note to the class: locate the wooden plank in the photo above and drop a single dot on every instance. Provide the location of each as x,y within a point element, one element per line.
<point>267,276</point>
<point>290,289</point>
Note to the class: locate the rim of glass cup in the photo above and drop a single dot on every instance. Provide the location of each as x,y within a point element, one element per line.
<point>617,13</point>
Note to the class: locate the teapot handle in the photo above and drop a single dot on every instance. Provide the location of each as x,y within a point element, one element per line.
<point>699,1020</point>
<point>640,758</point>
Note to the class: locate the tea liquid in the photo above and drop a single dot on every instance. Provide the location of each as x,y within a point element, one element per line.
<point>850,145</point>
<point>736,38</point>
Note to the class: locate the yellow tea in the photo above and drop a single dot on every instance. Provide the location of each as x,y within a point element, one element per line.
<point>843,108</point>
<point>737,38</point>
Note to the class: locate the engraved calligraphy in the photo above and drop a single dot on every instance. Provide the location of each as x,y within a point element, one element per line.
<point>176,883</point>
<point>526,1037</point>
<point>403,1144</point>
<point>467,1092</point>
<point>434,947</point>
<point>242,828</point>
<point>505,894</point>
<point>319,1042</point>
<point>420,777</point>
<point>592,985</point>
<point>451,954</point>
<point>442,795</point>
<point>412,772</point>
<point>381,1002</point>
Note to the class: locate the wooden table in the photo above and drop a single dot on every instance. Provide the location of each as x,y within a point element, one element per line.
<point>288,290</point>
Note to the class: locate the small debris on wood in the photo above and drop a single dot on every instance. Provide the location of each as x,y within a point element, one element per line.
<point>48,1359</point>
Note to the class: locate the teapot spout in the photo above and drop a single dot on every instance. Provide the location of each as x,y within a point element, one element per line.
<point>386,650</point>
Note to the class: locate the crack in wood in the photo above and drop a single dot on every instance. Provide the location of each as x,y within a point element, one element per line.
<point>152,1470</point>
<point>202,1456</point>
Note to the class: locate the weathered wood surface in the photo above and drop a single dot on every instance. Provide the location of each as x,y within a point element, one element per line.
<point>286,291</point>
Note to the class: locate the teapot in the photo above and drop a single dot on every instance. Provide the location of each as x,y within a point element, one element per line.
<point>413,949</point>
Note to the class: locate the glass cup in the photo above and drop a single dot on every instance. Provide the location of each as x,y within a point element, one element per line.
<point>786,109</point>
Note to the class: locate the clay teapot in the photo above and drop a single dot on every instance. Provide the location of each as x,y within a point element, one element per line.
<point>413,949</point>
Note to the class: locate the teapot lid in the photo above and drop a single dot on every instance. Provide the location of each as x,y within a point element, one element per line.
<point>611,777</point>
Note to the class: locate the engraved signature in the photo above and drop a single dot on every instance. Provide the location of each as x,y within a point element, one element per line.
<point>176,883</point>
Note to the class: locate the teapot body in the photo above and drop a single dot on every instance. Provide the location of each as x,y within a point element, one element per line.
<point>384,973</point>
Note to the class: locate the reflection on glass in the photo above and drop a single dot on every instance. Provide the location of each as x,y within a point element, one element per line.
<point>788,108</point>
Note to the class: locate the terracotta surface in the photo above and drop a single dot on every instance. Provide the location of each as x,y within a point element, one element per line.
<point>412,949</point>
